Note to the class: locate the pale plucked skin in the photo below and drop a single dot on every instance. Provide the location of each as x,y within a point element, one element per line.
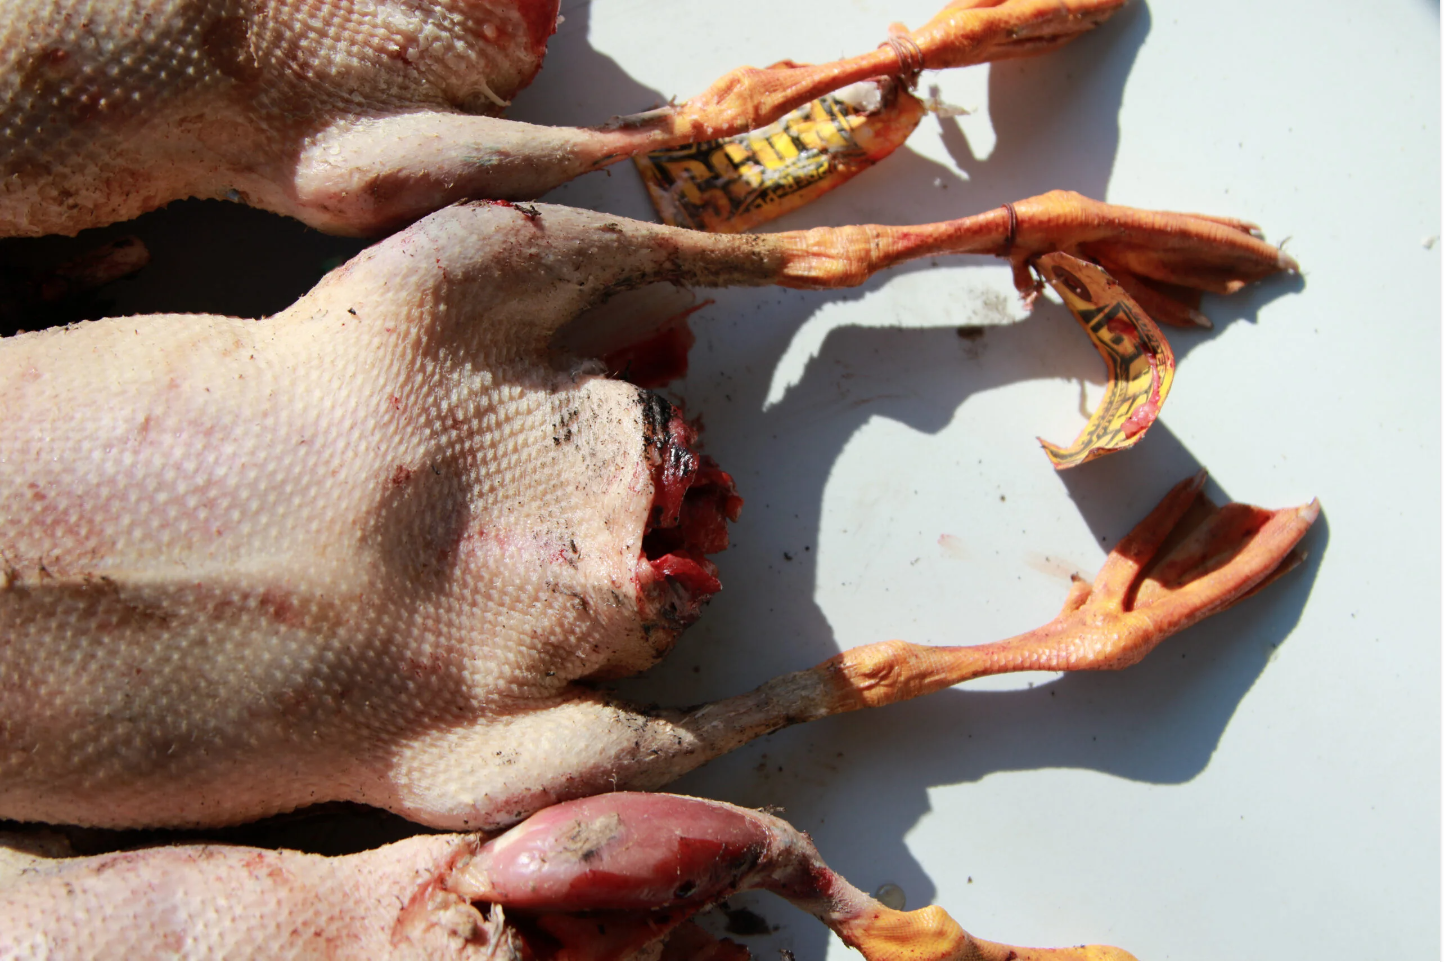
<point>324,111</point>
<point>359,550</point>
<point>220,901</point>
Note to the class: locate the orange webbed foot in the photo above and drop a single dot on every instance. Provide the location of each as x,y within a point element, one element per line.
<point>1187,560</point>
<point>965,32</point>
<point>1164,260</point>
<point>879,932</point>
<point>979,31</point>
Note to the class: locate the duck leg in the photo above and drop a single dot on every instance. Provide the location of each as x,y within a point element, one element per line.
<point>965,32</point>
<point>1187,560</point>
<point>534,247</point>
<point>638,865</point>
<point>1163,259</point>
<point>367,175</point>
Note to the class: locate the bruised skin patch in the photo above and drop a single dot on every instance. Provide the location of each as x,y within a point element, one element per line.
<point>540,17</point>
<point>604,876</point>
<point>656,361</point>
<point>659,359</point>
<point>693,499</point>
<point>622,852</point>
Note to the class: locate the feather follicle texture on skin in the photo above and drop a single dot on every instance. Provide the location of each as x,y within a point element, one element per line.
<point>496,527</point>
<point>323,111</point>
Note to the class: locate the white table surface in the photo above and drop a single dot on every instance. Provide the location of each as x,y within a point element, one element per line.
<point>1266,785</point>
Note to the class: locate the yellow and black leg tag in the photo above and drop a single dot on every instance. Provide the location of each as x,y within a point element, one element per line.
<point>1140,362</point>
<point>732,184</point>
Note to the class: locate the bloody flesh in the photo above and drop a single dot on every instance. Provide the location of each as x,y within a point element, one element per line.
<point>693,501</point>
<point>660,358</point>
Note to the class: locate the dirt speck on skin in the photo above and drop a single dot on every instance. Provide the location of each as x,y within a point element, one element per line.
<point>587,838</point>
